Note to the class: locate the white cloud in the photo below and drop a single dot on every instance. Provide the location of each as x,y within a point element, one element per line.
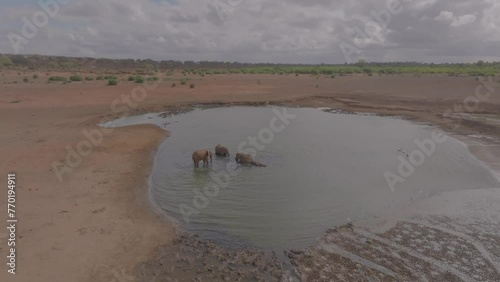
<point>294,31</point>
<point>423,4</point>
<point>463,20</point>
<point>445,16</point>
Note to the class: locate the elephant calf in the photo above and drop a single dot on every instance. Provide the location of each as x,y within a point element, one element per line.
<point>247,159</point>
<point>201,155</point>
<point>221,151</point>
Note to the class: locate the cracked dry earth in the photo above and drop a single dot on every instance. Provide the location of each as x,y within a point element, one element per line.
<point>459,245</point>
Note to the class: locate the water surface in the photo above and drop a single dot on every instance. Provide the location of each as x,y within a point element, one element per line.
<point>323,170</point>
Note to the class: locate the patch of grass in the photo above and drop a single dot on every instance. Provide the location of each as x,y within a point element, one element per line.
<point>57,78</point>
<point>75,78</point>
<point>112,82</point>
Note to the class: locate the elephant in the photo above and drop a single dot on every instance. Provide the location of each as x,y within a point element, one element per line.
<point>247,159</point>
<point>201,155</point>
<point>221,151</point>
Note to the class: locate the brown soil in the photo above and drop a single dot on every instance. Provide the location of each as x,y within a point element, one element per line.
<point>97,224</point>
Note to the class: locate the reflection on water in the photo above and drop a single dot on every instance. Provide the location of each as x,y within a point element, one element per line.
<point>323,170</point>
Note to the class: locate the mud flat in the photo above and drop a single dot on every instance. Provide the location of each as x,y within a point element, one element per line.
<point>98,214</point>
<point>452,237</point>
<point>191,259</point>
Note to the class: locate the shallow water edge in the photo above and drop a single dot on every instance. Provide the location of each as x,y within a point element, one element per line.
<point>298,251</point>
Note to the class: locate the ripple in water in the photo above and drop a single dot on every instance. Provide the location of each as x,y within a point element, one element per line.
<point>323,170</point>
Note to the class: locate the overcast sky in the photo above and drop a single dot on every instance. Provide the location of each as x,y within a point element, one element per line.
<point>278,31</point>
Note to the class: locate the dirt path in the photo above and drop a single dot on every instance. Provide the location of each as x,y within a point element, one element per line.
<point>97,224</point>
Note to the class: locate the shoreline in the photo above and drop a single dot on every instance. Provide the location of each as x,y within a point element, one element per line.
<point>187,239</point>
<point>97,212</point>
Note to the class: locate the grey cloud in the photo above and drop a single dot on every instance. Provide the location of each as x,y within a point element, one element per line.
<point>282,31</point>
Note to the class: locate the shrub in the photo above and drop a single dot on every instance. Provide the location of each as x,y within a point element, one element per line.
<point>35,76</point>
<point>88,78</point>
<point>154,78</point>
<point>26,79</point>
<point>57,78</point>
<point>131,78</point>
<point>139,79</point>
<point>75,78</point>
<point>99,77</point>
<point>183,82</point>
<point>108,77</point>
<point>112,82</point>
<point>173,85</point>
<point>191,86</point>
<point>332,76</point>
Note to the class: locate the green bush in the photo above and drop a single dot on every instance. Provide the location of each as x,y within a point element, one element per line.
<point>131,78</point>
<point>88,78</point>
<point>26,79</point>
<point>35,76</point>
<point>75,78</point>
<point>139,79</point>
<point>191,85</point>
<point>100,77</point>
<point>183,82</point>
<point>173,85</point>
<point>154,78</point>
<point>112,82</point>
<point>108,77</point>
<point>57,78</point>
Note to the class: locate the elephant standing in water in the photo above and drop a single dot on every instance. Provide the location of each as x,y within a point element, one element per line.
<point>201,155</point>
<point>247,159</point>
<point>221,151</point>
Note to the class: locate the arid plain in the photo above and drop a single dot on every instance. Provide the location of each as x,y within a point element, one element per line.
<point>97,224</point>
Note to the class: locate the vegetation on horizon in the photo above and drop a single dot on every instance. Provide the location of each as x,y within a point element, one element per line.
<point>151,68</point>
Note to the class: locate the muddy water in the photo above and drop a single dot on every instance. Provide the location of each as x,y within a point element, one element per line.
<point>323,170</point>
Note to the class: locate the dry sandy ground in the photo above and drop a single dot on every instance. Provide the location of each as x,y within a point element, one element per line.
<point>96,224</point>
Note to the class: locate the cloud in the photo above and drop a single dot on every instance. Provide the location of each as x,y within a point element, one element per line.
<point>445,16</point>
<point>463,20</point>
<point>280,31</point>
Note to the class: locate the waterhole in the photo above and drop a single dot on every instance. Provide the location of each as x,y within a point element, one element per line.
<point>323,169</point>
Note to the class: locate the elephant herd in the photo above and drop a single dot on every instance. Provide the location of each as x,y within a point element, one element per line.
<point>221,151</point>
